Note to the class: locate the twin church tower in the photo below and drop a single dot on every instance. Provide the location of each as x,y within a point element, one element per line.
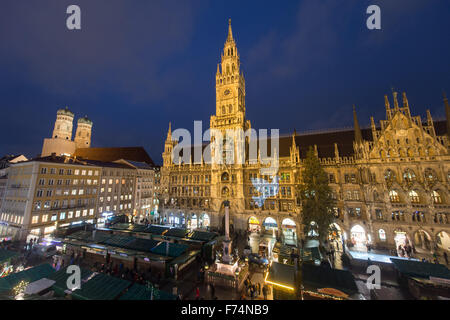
<point>61,142</point>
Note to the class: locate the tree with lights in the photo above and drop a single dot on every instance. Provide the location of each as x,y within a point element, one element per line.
<point>316,198</point>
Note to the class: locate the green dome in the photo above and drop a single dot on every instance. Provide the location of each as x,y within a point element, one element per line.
<point>65,112</point>
<point>85,119</point>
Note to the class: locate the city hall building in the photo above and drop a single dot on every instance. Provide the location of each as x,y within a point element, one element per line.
<point>390,181</point>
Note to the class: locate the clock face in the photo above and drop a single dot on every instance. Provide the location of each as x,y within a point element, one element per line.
<point>226,92</point>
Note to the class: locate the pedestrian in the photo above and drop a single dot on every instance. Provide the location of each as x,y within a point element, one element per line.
<point>197,293</point>
<point>265,289</point>
<point>445,257</point>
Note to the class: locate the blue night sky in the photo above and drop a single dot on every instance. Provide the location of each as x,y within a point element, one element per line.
<point>136,65</point>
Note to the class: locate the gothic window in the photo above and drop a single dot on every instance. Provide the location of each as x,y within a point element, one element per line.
<point>414,196</point>
<point>389,175</point>
<point>225,177</point>
<point>375,196</point>
<point>223,110</point>
<point>430,177</point>
<point>225,192</point>
<point>393,196</point>
<point>230,108</point>
<point>437,199</point>
<point>409,175</point>
<point>410,152</point>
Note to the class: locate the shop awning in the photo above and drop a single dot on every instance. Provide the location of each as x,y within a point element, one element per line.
<point>140,292</point>
<point>421,269</point>
<point>30,275</point>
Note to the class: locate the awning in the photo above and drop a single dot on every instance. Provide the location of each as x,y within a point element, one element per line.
<point>421,269</point>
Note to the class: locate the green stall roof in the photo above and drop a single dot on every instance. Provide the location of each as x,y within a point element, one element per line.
<point>6,255</point>
<point>175,249</point>
<point>421,269</point>
<point>140,292</point>
<point>184,257</point>
<point>118,241</point>
<point>30,275</point>
<point>101,287</point>
<point>156,229</point>
<point>87,236</point>
<point>176,232</point>
<point>61,279</point>
<point>144,245</point>
<point>203,235</point>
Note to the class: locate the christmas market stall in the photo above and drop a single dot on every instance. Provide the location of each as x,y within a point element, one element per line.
<point>282,278</point>
<point>423,279</point>
<point>321,282</point>
<point>6,262</point>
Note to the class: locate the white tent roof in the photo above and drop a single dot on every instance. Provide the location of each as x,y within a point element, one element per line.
<point>38,286</point>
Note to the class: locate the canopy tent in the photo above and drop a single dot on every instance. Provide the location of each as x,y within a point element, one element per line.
<point>118,241</point>
<point>60,277</point>
<point>421,269</point>
<point>140,292</point>
<point>30,275</point>
<point>158,230</point>
<point>7,255</point>
<point>101,287</point>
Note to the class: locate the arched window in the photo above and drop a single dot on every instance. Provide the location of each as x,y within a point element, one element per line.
<point>225,191</point>
<point>223,110</point>
<point>409,175</point>
<point>414,196</point>
<point>382,235</point>
<point>393,196</point>
<point>376,197</point>
<point>389,175</point>
<point>436,197</point>
<point>230,108</point>
<point>225,177</point>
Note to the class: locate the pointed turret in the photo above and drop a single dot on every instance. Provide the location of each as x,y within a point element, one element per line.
<point>395,100</point>
<point>169,132</point>
<point>388,107</point>
<point>358,134</point>
<point>336,151</point>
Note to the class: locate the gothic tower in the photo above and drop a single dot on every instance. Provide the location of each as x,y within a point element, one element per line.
<point>168,148</point>
<point>83,133</point>
<point>230,89</point>
<point>63,124</point>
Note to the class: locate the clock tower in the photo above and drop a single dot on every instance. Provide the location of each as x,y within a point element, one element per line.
<point>230,89</point>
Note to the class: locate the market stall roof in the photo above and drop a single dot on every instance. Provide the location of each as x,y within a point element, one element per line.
<point>88,236</point>
<point>101,287</point>
<point>38,286</point>
<point>60,277</point>
<point>6,255</point>
<point>29,275</point>
<point>175,249</point>
<point>140,292</point>
<point>175,232</point>
<point>184,258</point>
<point>156,229</point>
<point>202,235</point>
<point>281,275</point>
<point>421,269</point>
<point>319,277</point>
<point>118,241</point>
<point>145,245</point>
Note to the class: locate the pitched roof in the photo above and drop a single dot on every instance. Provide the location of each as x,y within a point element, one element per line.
<point>421,269</point>
<point>137,154</point>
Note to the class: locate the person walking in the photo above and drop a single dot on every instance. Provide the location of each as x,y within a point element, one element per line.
<point>197,293</point>
<point>264,290</point>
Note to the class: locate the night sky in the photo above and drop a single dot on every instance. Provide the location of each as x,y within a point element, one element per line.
<point>136,65</point>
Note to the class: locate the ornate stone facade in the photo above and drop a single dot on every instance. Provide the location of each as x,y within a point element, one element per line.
<point>390,182</point>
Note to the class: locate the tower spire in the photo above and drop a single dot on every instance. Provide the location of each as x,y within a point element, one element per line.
<point>358,134</point>
<point>169,132</point>
<point>230,31</point>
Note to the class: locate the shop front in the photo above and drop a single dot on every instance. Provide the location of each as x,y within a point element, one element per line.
<point>254,225</point>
